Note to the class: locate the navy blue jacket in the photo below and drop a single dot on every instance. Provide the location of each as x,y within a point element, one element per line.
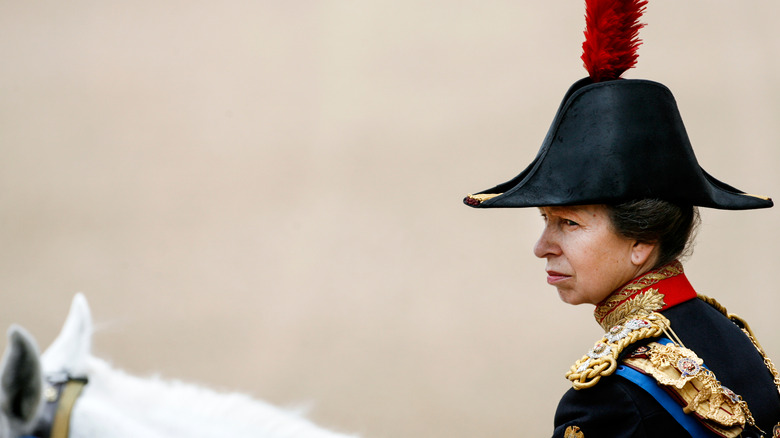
<point>615,407</point>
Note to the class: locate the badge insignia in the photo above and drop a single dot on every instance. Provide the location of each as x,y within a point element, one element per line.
<point>735,399</point>
<point>616,333</point>
<point>619,332</point>
<point>688,367</point>
<point>575,432</point>
<point>599,350</point>
<point>776,431</point>
<point>640,352</point>
<point>636,324</point>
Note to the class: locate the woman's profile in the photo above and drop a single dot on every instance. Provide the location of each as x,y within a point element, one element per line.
<point>618,187</point>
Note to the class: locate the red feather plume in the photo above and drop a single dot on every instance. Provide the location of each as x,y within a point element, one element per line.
<point>611,37</point>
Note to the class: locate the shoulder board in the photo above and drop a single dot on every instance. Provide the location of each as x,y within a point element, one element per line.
<point>682,373</point>
<point>601,360</point>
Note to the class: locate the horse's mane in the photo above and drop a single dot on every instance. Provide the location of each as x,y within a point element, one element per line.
<point>182,409</point>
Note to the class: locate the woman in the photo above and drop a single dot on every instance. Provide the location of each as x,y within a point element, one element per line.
<point>618,186</point>
<point>589,249</point>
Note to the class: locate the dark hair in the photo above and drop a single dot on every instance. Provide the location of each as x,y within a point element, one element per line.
<point>671,226</point>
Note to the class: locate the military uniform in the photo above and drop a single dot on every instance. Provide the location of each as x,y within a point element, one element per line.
<point>671,363</point>
<point>717,371</point>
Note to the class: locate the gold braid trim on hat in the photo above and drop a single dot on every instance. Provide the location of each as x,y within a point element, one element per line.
<point>480,198</point>
<point>765,198</point>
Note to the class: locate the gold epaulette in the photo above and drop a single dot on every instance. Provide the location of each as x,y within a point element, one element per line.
<point>681,371</point>
<point>601,360</point>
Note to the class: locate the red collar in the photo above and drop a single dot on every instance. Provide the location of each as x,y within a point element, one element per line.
<point>668,282</point>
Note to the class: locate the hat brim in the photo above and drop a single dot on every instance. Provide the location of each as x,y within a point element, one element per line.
<point>612,142</point>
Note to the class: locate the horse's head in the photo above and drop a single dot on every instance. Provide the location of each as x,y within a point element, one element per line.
<point>23,368</point>
<point>38,394</point>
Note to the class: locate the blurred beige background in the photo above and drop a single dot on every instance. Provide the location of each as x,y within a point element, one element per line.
<point>265,196</point>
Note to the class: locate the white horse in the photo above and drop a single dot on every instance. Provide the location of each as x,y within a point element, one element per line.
<point>114,404</point>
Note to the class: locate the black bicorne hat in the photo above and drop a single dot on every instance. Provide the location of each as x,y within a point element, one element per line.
<point>615,140</point>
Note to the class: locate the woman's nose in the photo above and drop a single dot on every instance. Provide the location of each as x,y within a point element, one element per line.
<point>546,245</point>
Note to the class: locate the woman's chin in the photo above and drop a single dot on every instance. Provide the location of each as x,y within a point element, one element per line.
<point>571,297</point>
<point>567,297</point>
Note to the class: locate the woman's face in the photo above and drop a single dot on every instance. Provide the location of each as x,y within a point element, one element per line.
<point>586,259</point>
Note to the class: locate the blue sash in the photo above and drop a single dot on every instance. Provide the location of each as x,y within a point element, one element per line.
<point>649,384</point>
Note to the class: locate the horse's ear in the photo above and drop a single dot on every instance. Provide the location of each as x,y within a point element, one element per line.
<point>69,352</point>
<point>21,381</point>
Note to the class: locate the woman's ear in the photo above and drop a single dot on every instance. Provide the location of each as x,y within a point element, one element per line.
<point>643,253</point>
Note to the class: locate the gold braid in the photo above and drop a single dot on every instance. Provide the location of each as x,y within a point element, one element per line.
<point>714,303</point>
<point>743,325</point>
<point>587,371</point>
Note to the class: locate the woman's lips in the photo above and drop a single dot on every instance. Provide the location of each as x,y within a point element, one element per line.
<point>554,277</point>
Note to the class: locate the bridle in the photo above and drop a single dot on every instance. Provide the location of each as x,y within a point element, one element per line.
<point>60,393</point>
